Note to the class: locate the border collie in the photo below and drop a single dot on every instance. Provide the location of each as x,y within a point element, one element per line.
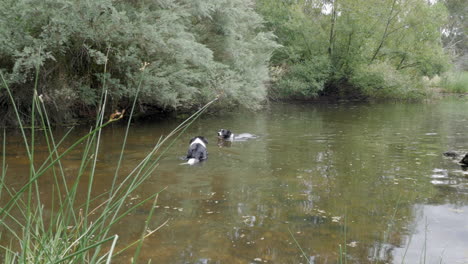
<point>229,136</point>
<point>197,150</point>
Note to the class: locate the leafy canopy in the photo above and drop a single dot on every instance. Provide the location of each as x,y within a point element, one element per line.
<point>196,49</point>
<point>401,38</point>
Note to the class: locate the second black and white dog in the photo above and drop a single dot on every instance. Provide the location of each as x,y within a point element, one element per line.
<point>225,134</point>
<point>197,150</point>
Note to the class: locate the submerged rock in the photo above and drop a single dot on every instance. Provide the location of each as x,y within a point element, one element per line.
<point>451,154</point>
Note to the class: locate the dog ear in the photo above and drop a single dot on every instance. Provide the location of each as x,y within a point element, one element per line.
<point>192,139</point>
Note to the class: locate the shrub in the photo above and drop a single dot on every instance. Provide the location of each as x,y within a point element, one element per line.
<point>382,81</point>
<point>195,49</point>
<point>455,82</point>
<point>303,79</point>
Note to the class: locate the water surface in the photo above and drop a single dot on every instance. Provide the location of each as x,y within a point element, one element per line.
<point>367,179</point>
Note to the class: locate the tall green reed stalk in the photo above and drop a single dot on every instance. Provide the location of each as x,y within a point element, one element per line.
<point>341,252</point>
<point>73,232</point>
<point>299,246</point>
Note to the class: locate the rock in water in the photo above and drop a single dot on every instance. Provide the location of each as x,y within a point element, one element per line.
<point>451,154</point>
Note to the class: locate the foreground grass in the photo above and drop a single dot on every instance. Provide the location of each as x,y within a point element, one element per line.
<point>70,232</point>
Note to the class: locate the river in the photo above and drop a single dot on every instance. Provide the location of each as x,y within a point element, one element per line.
<point>366,180</point>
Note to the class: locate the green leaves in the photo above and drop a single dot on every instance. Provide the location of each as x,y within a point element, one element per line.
<point>355,35</point>
<point>304,79</point>
<point>191,47</point>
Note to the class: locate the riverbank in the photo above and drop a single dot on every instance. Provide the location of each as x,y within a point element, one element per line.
<point>154,114</point>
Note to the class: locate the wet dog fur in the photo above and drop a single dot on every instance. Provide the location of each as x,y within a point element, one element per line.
<point>197,150</point>
<point>227,135</point>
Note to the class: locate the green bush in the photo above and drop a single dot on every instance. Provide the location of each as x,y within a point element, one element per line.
<point>402,39</point>
<point>382,81</point>
<point>455,82</point>
<point>303,79</point>
<point>195,50</point>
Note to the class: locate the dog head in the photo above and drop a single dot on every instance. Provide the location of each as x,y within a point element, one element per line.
<point>224,134</point>
<point>203,139</point>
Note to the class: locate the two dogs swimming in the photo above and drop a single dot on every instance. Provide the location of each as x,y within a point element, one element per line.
<point>197,149</point>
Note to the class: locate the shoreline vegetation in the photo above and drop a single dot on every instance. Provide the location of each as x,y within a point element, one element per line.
<point>246,52</point>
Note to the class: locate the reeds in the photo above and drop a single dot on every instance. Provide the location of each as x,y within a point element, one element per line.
<point>73,232</point>
<point>455,82</point>
<point>299,246</point>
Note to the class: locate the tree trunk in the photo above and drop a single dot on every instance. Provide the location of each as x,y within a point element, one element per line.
<point>332,29</point>
<point>385,34</point>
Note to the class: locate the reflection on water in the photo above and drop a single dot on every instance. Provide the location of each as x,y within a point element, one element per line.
<point>439,234</point>
<point>370,179</point>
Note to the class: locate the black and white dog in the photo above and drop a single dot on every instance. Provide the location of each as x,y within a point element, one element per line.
<point>197,150</point>
<point>227,135</point>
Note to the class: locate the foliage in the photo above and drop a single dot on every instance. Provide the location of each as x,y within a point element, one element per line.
<point>195,49</point>
<point>382,81</point>
<point>303,79</point>
<point>455,82</point>
<point>401,38</point>
<point>454,37</point>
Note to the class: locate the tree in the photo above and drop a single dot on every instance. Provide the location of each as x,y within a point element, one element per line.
<point>454,35</point>
<point>194,50</point>
<point>355,35</point>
